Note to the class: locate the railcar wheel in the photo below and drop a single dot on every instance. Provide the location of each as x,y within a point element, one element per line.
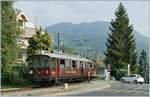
<point>135,82</point>
<point>122,81</point>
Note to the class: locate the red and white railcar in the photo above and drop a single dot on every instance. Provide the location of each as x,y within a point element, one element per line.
<point>46,67</point>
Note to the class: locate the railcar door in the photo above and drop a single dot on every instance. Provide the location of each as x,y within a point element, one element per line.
<point>81,66</point>
<point>54,69</point>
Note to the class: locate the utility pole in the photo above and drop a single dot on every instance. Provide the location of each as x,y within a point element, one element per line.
<point>95,55</point>
<point>58,42</point>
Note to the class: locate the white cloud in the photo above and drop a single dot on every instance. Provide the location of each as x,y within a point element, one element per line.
<point>51,12</point>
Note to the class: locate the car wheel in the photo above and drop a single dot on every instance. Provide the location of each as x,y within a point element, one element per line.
<point>135,82</point>
<point>141,83</point>
<point>123,81</point>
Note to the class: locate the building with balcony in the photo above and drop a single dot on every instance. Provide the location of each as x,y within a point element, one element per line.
<point>27,31</point>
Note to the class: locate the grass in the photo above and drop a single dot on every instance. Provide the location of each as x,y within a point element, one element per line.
<point>24,85</point>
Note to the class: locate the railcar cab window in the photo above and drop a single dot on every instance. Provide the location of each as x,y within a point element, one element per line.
<point>45,62</point>
<point>34,63</point>
<point>39,62</point>
<point>62,64</point>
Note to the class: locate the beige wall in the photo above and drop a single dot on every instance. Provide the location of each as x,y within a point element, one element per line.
<point>28,31</point>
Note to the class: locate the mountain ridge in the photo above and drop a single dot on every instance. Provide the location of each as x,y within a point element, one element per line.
<point>95,32</point>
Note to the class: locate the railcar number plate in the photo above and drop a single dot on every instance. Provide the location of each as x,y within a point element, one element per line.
<point>70,71</point>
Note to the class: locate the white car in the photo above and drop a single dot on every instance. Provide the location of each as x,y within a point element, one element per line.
<point>135,78</point>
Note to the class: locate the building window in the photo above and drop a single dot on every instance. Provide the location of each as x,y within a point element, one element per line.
<point>20,55</point>
<point>20,23</point>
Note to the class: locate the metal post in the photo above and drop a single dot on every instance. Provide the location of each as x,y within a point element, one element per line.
<point>58,42</point>
<point>128,69</point>
<point>95,55</point>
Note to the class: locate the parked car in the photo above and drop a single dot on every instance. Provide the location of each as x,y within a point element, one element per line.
<point>135,78</point>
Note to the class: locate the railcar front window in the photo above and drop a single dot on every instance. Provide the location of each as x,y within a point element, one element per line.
<point>45,62</point>
<point>39,62</point>
<point>31,63</point>
<point>34,62</point>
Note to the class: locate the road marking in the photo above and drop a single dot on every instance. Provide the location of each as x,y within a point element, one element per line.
<point>111,90</point>
<point>118,91</point>
<point>131,91</point>
<point>139,92</point>
<point>147,93</point>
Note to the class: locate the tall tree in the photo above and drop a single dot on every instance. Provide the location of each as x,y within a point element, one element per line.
<point>9,35</point>
<point>143,66</point>
<point>120,45</point>
<point>39,41</point>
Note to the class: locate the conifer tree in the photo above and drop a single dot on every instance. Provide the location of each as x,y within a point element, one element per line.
<point>120,45</point>
<point>143,66</point>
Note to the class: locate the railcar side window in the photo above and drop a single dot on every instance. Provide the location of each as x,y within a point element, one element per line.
<point>73,64</point>
<point>86,65</point>
<point>91,66</point>
<point>67,64</point>
<point>53,63</point>
<point>81,64</point>
<point>62,64</point>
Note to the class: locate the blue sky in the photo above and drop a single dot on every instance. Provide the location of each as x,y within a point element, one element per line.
<point>47,13</point>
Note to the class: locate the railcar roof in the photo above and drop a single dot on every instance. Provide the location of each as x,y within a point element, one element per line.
<point>64,56</point>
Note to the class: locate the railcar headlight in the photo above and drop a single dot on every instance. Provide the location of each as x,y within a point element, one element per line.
<point>30,72</point>
<point>39,72</point>
<point>47,72</point>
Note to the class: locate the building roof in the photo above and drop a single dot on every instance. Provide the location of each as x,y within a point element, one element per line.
<point>28,32</point>
<point>21,16</point>
<point>63,56</point>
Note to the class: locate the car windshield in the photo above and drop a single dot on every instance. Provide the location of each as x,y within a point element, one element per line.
<point>139,76</point>
<point>132,75</point>
<point>126,76</point>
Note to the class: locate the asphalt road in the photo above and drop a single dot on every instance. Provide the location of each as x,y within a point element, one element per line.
<point>94,88</point>
<point>114,92</point>
<point>131,90</point>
